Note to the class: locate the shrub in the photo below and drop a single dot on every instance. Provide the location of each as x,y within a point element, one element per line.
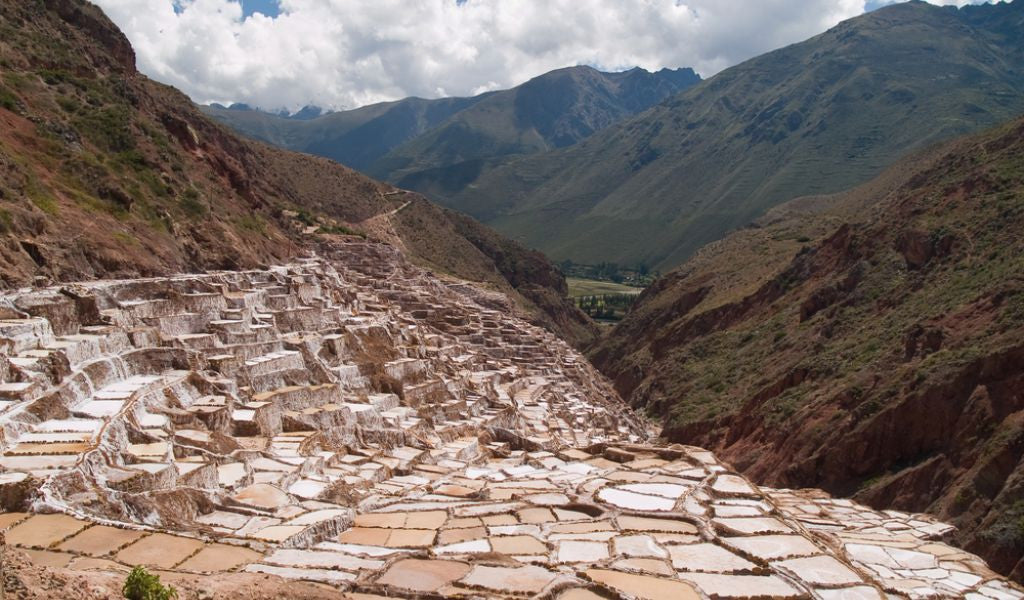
<point>126,239</point>
<point>68,104</point>
<point>41,197</point>
<point>8,100</point>
<point>141,585</point>
<point>108,128</point>
<point>6,220</point>
<point>55,76</point>
<point>252,223</point>
<point>340,230</point>
<point>192,203</point>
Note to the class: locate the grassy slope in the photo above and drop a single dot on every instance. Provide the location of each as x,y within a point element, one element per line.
<point>813,118</point>
<point>553,110</point>
<point>870,345</point>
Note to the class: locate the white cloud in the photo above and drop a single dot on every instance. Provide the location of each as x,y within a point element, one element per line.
<point>346,53</point>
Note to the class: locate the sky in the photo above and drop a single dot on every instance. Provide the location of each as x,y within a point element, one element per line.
<point>339,54</point>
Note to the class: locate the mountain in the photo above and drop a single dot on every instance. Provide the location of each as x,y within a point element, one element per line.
<point>813,118</point>
<point>306,113</point>
<point>104,173</point>
<point>868,343</point>
<point>424,143</point>
<point>554,110</point>
<point>355,138</point>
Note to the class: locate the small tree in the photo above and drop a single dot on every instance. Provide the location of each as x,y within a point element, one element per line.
<point>142,585</point>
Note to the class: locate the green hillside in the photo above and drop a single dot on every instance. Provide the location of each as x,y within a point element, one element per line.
<point>354,138</point>
<point>425,144</point>
<point>815,117</point>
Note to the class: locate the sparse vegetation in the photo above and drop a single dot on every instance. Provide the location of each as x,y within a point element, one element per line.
<point>339,229</point>
<point>192,203</point>
<point>1008,530</point>
<point>109,128</point>
<point>6,220</point>
<point>125,238</point>
<point>253,223</point>
<point>8,100</point>
<point>143,585</point>
<point>41,197</point>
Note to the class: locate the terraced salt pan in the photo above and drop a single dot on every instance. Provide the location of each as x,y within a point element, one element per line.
<point>634,501</point>
<point>820,570</point>
<point>772,547</point>
<point>159,550</point>
<point>262,495</point>
<point>742,586</point>
<point>505,463</point>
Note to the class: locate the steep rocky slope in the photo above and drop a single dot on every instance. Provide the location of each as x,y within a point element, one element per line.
<point>869,343</point>
<point>106,173</point>
<point>816,117</point>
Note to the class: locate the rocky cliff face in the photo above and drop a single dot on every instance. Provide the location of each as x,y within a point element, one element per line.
<point>106,173</point>
<point>876,355</point>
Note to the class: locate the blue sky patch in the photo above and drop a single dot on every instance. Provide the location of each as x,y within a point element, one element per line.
<point>267,7</point>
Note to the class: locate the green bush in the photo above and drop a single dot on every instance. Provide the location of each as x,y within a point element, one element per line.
<point>109,128</point>
<point>141,585</point>
<point>6,221</point>
<point>41,197</point>
<point>339,230</point>
<point>252,223</point>
<point>68,104</point>
<point>8,100</point>
<point>192,203</point>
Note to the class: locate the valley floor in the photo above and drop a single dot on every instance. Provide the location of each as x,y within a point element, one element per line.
<point>593,287</point>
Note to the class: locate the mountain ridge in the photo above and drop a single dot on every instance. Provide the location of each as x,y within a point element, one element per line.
<point>815,117</point>
<point>411,137</point>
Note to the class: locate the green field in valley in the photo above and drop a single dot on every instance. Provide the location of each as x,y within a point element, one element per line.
<point>592,287</point>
